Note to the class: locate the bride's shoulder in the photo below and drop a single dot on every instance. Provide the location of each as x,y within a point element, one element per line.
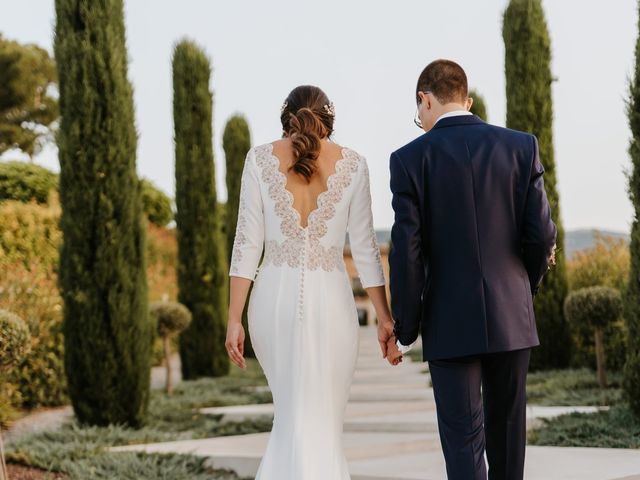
<point>354,156</point>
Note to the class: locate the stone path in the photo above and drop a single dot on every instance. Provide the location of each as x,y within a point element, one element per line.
<point>391,432</point>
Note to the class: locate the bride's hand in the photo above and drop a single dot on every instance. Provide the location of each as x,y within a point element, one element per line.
<point>394,356</point>
<point>235,343</point>
<point>385,332</point>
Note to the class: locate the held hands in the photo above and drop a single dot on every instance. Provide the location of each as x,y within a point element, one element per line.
<point>394,356</point>
<point>387,341</point>
<point>235,343</point>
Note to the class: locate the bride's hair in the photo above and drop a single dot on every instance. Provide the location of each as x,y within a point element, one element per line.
<point>307,117</point>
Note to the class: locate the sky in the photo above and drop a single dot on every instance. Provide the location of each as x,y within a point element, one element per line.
<point>367,56</point>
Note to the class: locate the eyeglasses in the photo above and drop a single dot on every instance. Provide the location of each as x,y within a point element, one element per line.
<point>416,118</point>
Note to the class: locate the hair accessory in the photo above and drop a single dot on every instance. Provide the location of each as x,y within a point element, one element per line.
<point>284,105</point>
<point>330,109</point>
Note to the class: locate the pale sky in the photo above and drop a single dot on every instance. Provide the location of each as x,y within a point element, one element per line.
<point>367,55</point>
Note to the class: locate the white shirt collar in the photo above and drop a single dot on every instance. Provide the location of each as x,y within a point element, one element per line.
<point>454,113</point>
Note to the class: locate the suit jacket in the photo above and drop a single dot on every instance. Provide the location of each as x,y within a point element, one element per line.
<point>471,240</point>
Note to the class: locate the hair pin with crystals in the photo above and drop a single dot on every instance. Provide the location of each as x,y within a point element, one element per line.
<point>330,109</point>
<point>284,105</point>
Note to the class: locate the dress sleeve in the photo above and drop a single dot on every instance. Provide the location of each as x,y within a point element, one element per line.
<point>249,239</point>
<point>362,236</point>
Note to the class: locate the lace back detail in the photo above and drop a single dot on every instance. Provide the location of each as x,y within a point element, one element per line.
<point>291,250</point>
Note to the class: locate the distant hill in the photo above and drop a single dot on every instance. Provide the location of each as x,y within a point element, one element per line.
<point>575,240</point>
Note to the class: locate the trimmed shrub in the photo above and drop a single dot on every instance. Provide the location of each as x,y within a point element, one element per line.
<point>597,307</point>
<point>156,204</point>
<point>606,264</point>
<point>26,181</point>
<point>14,339</point>
<point>171,318</point>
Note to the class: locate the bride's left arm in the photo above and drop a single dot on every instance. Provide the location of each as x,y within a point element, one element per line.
<point>245,256</point>
<point>366,252</point>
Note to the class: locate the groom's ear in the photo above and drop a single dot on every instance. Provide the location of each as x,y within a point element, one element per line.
<point>469,103</point>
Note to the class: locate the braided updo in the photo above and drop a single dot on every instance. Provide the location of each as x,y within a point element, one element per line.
<point>307,117</point>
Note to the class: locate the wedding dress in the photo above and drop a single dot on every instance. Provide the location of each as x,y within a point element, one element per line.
<point>301,314</point>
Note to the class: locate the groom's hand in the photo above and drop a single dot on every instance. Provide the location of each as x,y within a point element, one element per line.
<point>385,333</point>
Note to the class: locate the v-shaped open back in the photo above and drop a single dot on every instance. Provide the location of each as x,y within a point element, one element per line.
<point>318,200</point>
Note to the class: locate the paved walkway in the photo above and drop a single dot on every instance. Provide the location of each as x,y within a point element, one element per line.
<point>391,432</point>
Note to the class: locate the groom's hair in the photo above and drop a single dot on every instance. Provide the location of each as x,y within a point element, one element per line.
<point>446,80</point>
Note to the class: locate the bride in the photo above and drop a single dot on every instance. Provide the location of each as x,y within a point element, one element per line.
<point>299,197</point>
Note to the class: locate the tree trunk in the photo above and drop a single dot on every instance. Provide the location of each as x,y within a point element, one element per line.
<point>602,378</point>
<point>167,362</point>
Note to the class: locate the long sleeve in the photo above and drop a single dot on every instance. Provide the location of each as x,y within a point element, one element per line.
<point>249,239</point>
<point>362,236</point>
<point>406,260</point>
<point>538,230</point>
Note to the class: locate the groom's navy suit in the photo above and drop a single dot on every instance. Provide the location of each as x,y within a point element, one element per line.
<point>470,244</point>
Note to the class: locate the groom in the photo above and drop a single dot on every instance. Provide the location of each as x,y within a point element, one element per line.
<point>472,239</point>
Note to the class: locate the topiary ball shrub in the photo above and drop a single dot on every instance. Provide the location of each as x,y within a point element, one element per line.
<point>597,307</point>
<point>172,317</point>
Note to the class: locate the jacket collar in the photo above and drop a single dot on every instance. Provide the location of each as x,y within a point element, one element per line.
<point>458,120</point>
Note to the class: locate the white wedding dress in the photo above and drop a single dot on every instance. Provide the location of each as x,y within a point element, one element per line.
<point>302,316</point>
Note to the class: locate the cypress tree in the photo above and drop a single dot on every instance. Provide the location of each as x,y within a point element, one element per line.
<point>631,381</point>
<point>107,330</point>
<point>202,265</point>
<point>530,109</point>
<point>236,142</point>
<point>479,106</point>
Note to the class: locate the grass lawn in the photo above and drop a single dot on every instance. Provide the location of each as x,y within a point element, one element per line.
<point>615,428</point>
<point>80,451</point>
<point>572,387</point>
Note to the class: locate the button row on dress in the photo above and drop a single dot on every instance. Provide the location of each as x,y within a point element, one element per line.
<point>303,267</point>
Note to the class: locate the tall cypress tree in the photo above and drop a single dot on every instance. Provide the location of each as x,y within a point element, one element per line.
<point>236,142</point>
<point>107,330</point>
<point>631,381</point>
<point>202,254</point>
<point>530,109</point>
<point>479,106</point>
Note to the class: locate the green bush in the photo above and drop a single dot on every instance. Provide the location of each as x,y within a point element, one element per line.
<point>607,264</point>
<point>156,204</point>
<point>29,241</point>
<point>29,233</point>
<point>14,339</point>
<point>14,344</point>
<point>25,181</point>
<point>597,307</point>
